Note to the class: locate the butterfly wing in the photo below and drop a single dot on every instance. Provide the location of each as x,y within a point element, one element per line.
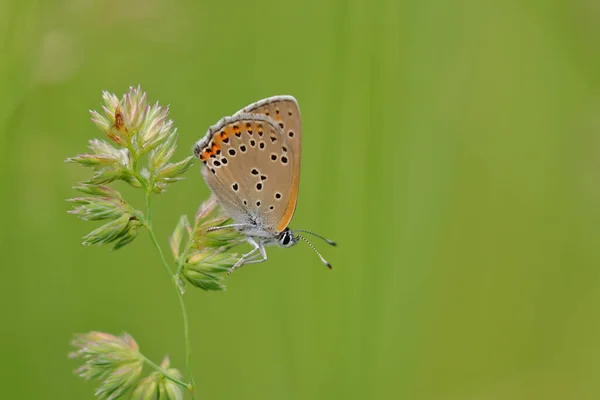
<point>248,165</point>
<point>284,110</point>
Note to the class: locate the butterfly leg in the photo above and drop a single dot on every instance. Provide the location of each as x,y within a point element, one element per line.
<point>251,257</point>
<point>260,257</point>
<point>216,228</point>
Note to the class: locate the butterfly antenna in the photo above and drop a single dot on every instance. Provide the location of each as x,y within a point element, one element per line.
<point>331,242</point>
<point>316,251</point>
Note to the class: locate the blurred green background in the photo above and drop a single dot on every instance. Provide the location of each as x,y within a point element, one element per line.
<point>451,148</point>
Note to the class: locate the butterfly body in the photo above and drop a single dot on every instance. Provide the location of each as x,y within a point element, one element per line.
<point>251,162</point>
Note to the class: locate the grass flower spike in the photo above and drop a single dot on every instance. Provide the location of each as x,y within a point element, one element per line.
<point>114,360</point>
<point>157,387</point>
<point>205,255</point>
<point>138,146</point>
<point>134,129</point>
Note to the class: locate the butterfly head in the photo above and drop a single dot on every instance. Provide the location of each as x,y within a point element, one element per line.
<point>287,238</point>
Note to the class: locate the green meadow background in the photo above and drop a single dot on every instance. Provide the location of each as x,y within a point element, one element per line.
<point>451,148</point>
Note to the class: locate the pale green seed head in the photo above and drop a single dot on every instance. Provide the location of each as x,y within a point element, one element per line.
<point>113,360</point>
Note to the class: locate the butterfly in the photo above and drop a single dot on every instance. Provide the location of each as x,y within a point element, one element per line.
<point>251,163</point>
